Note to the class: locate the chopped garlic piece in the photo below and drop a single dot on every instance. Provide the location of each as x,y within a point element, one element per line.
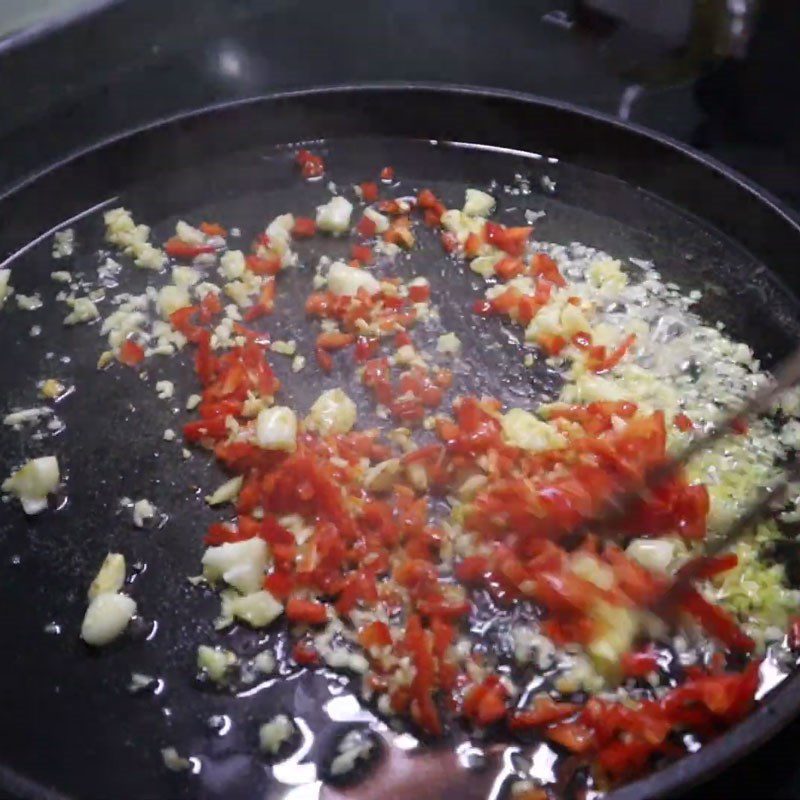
<point>239,564</point>
<point>189,234</point>
<point>83,310</point>
<point>382,476</point>
<point>185,276</point>
<point>232,265</point>
<point>333,412</point>
<point>381,220</point>
<point>606,273</point>
<point>5,287</point>
<point>530,646</point>
<point>51,388</point>
<point>344,280</point>
<point>406,355</point>
<point>142,510</point>
<point>484,265</point>
<point>171,298</point>
<point>265,662</point>
<point>523,429</point>
<point>334,216</point>
<point>298,363</point>
<point>653,554</point>
<point>239,292</point>
<point>33,482</point>
<point>284,348</point>
<point>257,609</point>
<point>192,401</point>
<point>280,233</point>
<point>478,203</point>
<point>225,493</point>
<point>215,662</point>
<point>354,745</point>
<point>173,761</point>
<point>272,734</point>
<point>123,232</point>
<point>110,577</point>
<point>449,344</point>
<point>573,321</point>
<point>139,682</point>
<point>29,302</point>
<point>618,627</point>
<point>61,276</point>
<point>63,243</point>
<point>591,569</point>
<point>106,618</point>
<point>165,389</point>
<point>276,429</point>
<point>17,418</point>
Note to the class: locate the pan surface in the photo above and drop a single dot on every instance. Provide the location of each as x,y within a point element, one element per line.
<point>72,729</point>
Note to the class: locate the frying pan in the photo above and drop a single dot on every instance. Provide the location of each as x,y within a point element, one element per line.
<point>70,728</point>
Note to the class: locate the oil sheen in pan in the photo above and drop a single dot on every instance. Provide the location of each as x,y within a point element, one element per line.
<point>106,461</point>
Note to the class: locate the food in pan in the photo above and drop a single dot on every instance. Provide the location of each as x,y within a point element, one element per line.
<point>445,550</point>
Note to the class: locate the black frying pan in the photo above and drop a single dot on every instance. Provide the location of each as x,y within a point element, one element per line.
<point>70,729</point>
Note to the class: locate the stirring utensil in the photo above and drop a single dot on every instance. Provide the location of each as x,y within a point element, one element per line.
<point>785,377</point>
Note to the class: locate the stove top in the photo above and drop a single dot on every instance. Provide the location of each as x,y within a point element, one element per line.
<point>730,91</point>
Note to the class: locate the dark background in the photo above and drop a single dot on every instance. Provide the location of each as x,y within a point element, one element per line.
<point>75,81</point>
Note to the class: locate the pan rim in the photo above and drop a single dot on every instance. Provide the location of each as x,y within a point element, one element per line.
<point>782,704</point>
<point>527,98</point>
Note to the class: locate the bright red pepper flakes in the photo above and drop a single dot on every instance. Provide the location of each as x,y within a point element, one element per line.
<point>365,348</point>
<point>639,665</point>
<point>177,248</point>
<point>131,353</point>
<point>794,633</point>
<point>508,268</point>
<point>304,228</point>
<point>427,199</point>
<point>543,711</point>
<point>483,307</point>
<point>307,611</point>
<point>310,482</point>
<point>485,703</point>
<point>366,227</point>
<point>375,634</point>
<point>545,267</point>
<point>600,360</point>
<point>402,338</point>
<point>683,423</point>
<point>210,306</point>
<point>369,191</point>
<point>740,425</point>
<point>269,265</point>
<point>311,166</point>
<point>472,245</point>
<point>335,340</point>
<point>213,229</point>
<point>449,242</point>
<point>419,292</point>
<point>324,359</point>
<point>432,207</point>
<point>305,655</point>
<point>552,344</point>
<point>361,253</point>
<point>511,240</point>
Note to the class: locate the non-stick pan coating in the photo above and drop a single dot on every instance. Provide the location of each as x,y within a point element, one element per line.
<point>70,727</point>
